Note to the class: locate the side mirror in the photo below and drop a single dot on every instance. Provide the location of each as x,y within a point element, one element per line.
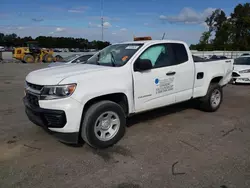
<point>78,61</point>
<point>142,65</point>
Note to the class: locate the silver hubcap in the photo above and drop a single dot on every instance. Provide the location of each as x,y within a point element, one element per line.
<point>107,126</point>
<point>215,98</point>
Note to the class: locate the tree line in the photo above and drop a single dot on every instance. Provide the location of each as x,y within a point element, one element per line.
<point>227,32</point>
<point>12,40</point>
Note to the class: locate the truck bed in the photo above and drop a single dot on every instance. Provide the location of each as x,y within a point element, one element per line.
<point>217,68</point>
<point>198,59</point>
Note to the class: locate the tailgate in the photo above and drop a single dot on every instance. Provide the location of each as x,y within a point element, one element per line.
<point>229,66</point>
<point>228,69</point>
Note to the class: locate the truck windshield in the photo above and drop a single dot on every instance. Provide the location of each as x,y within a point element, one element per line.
<point>242,61</point>
<point>115,55</point>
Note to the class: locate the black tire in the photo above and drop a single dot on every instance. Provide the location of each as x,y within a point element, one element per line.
<point>28,58</point>
<point>206,103</point>
<point>48,58</point>
<point>89,123</point>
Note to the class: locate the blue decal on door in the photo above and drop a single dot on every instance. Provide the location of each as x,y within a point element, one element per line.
<point>157,81</point>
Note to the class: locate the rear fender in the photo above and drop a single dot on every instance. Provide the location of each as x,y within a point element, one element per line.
<point>201,91</point>
<point>215,79</point>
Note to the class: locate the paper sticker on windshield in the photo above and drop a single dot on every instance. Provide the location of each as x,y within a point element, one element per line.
<point>125,58</point>
<point>132,47</point>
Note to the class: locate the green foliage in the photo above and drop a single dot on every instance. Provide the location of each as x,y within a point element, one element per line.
<point>230,33</point>
<point>52,42</point>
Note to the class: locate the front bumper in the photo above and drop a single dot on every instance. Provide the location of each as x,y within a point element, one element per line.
<point>240,78</point>
<point>57,122</point>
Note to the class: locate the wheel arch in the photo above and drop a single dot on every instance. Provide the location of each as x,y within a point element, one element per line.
<point>119,98</point>
<point>216,80</point>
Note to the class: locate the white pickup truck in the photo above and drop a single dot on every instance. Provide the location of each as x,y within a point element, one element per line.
<point>91,101</point>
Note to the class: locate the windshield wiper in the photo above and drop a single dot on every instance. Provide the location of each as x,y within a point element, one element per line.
<point>112,59</point>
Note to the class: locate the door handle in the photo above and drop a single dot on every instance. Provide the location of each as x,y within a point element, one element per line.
<point>170,73</point>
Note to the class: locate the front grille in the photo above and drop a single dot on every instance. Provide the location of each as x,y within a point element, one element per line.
<point>235,74</point>
<point>32,99</point>
<point>34,86</point>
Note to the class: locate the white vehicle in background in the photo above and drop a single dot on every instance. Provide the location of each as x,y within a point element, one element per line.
<point>91,101</point>
<point>241,72</point>
<point>245,54</point>
<point>73,59</point>
<point>2,48</point>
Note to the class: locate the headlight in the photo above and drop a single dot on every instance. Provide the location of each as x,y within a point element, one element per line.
<point>57,92</point>
<point>245,71</point>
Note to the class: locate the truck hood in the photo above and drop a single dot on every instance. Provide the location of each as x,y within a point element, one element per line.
<point>54,75</point>
<point>241,67</point>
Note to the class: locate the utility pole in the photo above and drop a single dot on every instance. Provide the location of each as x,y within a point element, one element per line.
<point>102,21</point>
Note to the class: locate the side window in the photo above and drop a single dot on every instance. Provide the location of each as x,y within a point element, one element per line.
<point>160,55</point>
<point>180,53</point>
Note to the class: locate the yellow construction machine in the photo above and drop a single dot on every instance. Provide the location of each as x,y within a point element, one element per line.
<point>32,53</point>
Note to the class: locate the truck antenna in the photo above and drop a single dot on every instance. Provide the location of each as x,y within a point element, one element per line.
<point>163,36</point>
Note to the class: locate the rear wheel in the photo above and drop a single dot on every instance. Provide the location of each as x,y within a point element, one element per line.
<point>28,58</point>
<point>48,58</point>
<point>103,124</point>
<point>212,101</point>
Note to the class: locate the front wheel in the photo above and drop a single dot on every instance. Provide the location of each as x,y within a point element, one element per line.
<point>103,125</point>
<point>28,58</point>
<point>212,101</point>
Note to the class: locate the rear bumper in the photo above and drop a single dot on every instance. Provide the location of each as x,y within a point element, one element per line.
<point>48,119</point>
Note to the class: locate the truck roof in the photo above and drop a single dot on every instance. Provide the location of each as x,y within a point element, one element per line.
<point>152,41</point>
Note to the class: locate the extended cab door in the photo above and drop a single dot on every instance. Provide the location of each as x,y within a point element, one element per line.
<point>185,72</point>
<point>156,87</point>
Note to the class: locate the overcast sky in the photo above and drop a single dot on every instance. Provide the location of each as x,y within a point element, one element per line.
<point>123,19</point>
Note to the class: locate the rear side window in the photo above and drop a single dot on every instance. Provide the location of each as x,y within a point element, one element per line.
<point>180,53</point>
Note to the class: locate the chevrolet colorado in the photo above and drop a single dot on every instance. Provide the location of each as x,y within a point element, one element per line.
<point>91,101</point>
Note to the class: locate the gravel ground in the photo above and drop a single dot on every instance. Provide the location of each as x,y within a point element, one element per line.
<point>176,146</point>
